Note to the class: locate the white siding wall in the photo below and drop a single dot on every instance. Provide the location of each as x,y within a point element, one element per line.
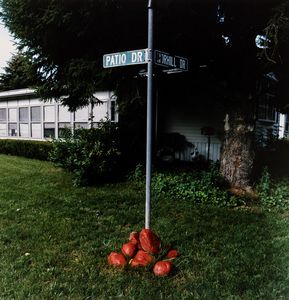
<point>188,122</point>
<point>52,118</point>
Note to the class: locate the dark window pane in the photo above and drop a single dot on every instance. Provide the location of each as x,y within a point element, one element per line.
<point>49,130</point>
<point>12,129</point>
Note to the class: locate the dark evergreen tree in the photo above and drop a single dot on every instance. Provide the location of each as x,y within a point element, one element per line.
<point>66,39</point>
<point>19,73</point>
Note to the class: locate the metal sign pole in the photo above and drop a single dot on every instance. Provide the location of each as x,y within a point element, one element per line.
<point>175,64</point>
<point>149,116</point>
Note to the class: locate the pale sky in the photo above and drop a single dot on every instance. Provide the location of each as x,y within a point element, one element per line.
<point>7,48</point>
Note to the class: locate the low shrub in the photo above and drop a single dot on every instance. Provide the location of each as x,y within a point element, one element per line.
<point>92,155</point>
<point>273,193</point>
<point>26,148</point>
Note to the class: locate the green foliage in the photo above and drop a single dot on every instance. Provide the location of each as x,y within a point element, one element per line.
<point>19,73</point>
<point>273,194</point>
<point>30,149</point>
<point>137,175</point>
<point>92,155</point>
<point>73,68</point>
<point>200,187</point>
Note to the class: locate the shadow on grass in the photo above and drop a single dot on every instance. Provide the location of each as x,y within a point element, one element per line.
<point>240,253</point>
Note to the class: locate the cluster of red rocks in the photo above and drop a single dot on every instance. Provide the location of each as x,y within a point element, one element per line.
<point>142,250</point>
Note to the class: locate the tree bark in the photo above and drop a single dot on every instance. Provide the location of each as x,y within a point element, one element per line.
<point>237,155</point>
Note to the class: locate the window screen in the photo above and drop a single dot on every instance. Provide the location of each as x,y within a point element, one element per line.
<point>2,114</point>
<point>49,113</point>
<point>35,114</point>
<point>12,114</point>
<point>81,125</point>
<point>100,112</point>
<point>23,114</point>
<point>63,114</point>
<point>3,128</point>
<point>81,115</point>
<point>23,130</point>
<point>36,130</point>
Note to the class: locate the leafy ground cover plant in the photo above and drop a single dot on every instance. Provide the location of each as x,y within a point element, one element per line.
<point>273,193</point>
<point>200,187</point>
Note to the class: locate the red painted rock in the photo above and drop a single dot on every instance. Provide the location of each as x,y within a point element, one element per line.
<point>141,259</point>
<point>116,259</point>
<point>134,237</point>
<point>162,268</point>
<point>173,253</point>
<point>129,249</point>
<point>149,241</point>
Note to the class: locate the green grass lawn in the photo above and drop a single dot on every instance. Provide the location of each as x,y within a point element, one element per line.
<point>55,238</point>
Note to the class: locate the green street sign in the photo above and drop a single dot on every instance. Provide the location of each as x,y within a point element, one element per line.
<point>126,58</point>
<point>167,60</point>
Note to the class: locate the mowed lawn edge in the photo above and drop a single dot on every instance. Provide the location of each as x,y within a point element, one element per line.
<point>55,238</point>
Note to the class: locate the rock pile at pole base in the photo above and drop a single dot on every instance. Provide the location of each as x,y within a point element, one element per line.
<point>145,249</point>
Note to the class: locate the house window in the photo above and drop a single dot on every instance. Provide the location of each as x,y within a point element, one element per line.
<point>63,114</point>
<point>36,130</point>
<point>2,114</point>
<point>80,125</point>
<point>3,129</point>
<point>62,127</point>
<point>49,130</point>
<point>35,114</point>
<point>3,125</point>
<point>35,122</point>
<point>23,114</point>
<point>23,119</point>
<point>100,111</point>
<point>81,115</point>
<point>12,129</point>
<point>23,130</point>
<point>266,110</point>
<point>12,115</point>
<point>49,113</point>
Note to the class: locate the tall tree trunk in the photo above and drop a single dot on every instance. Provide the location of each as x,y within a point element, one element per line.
<point>237,154</point>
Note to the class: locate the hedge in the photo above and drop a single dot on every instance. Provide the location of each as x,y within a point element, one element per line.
<point>26,148</point>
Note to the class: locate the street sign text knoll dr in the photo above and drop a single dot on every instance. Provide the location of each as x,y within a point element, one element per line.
<point>171,61</point>
<point>133,57</point>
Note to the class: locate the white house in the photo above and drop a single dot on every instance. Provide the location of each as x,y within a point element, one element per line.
<point>24,116</point>
<point>203,128</point>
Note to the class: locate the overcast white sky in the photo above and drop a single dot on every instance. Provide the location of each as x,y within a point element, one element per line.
<point>7,47</point>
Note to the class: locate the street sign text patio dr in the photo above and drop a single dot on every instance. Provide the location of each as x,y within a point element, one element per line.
<point>173,64</point>
<point>133,57</point>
